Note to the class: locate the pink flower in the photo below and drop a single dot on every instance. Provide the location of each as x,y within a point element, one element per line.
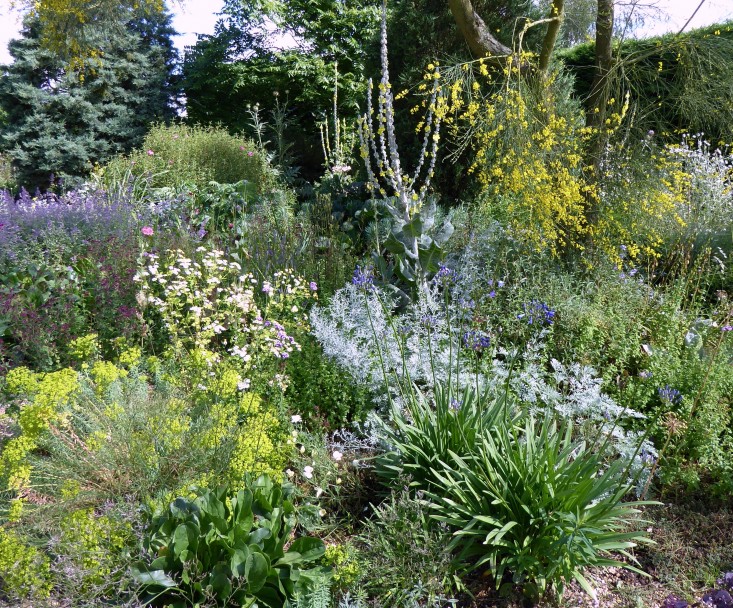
<point>147,231</point>
<point>250,153</point>
<point>151,153</point>
<point>241,148</point>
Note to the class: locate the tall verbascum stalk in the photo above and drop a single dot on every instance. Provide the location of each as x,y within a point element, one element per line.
<point>337,151</point>
<point>404,194</point>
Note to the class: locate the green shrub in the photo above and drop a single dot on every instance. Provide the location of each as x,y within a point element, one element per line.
<point>92,546</point>
<point>403,556</point>
<point>107,434</point>
<point>179,156</point>
<point>225,547</point>
<point>322,392</point>
<point>679,83</point>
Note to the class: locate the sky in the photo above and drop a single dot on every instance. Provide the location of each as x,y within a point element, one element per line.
<point>199,17</point>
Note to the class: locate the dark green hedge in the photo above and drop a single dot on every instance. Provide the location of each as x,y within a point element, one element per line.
<point>676,83</point>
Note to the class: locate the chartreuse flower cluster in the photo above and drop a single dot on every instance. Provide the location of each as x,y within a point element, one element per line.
<point>44,397</point>
<point>103,434</point>
<point>93,542</point>
<point>24,571</point>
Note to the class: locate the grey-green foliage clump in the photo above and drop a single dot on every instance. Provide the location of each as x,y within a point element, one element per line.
<point>62,122</point>
<point>403,557</point>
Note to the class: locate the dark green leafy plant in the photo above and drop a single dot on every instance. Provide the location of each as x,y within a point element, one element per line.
<point>323,392</point>
<point>226,548</point>
<point>537,504</point>
<point>216,207</point>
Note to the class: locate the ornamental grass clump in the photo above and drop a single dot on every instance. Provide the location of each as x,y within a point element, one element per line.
<point>430,434</point>
<point>180,156</point>
<point>526,500</point>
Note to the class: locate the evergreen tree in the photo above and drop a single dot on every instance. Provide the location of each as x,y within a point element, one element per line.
<point>62,122</point>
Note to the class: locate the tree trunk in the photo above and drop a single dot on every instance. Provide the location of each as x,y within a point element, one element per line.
<point>477,34</point>
<point>598,100</point>
<point>557,12</point>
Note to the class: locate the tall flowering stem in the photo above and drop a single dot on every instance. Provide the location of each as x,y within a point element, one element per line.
<point>404,194</point>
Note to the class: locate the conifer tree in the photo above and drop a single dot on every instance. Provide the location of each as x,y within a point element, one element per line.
<point>62,122</point>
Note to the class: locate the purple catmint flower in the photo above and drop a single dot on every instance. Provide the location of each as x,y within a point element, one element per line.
<point>719,598</point>
<point>726,581</point>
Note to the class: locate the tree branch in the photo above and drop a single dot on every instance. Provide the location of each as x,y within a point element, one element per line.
<point>557,13</point>
<point>478,36</point>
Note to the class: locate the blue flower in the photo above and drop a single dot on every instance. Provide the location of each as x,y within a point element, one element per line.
<point>429,320</point>
<point>476,340</point>
<point>536,312</point>
<point>466,304</point>
<point>363,278</point>
<point>670,395</point>
<point>444,275</point>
